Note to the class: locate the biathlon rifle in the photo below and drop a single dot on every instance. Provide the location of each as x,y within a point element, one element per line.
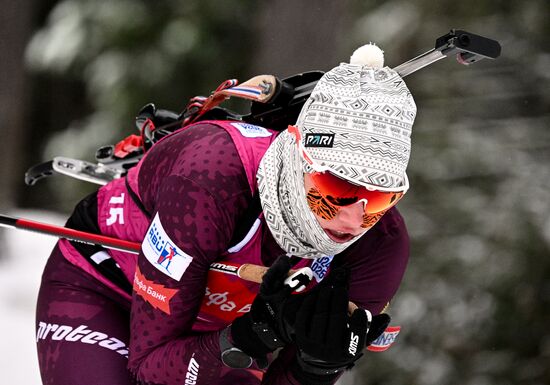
<point>275,104</point>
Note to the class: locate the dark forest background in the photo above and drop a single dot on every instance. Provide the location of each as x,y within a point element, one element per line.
<point>475,302</point>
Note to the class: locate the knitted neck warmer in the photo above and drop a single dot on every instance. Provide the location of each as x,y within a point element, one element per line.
<point>283,197</point>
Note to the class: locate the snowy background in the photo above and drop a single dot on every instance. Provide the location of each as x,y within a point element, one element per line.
<point>23,258</point>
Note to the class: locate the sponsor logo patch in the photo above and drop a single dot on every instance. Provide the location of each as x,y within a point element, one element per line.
<point>224,267</point>
<point>163,254</point>
<point>385,340</point>
<point>320,267</point>
<point>157,295</point>
<point>192,374</point>
<point>251,131</point>
<point>319,140</point>
<point>353,343</point>
<point>226,296</point>
<point>81,334</point>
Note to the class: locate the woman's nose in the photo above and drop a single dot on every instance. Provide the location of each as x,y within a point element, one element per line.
<point>351,217</point>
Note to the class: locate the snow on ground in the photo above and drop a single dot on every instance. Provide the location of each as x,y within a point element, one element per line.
<point>22,259</point>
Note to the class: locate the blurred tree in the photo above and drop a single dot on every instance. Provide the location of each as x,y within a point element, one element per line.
<point>294,37</point>
<point>475,299</point>
<point>15,29</point>
<point>126,54</point>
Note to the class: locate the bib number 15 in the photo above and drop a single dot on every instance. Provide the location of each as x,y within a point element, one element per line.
<point>116,210</point>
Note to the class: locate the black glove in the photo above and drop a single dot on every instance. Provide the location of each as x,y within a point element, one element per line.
<point>328,339</point>
<point>264,328</point>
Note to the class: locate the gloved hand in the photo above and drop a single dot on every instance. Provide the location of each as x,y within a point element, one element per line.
<point>264,328</point>
<point>327,338</point>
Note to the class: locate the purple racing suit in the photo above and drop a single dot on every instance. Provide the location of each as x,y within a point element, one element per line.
<point>111,317</point>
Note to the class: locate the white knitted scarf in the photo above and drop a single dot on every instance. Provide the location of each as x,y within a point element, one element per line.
<point>283,197</point>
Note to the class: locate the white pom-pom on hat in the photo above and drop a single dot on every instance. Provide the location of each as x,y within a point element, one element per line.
<point>368,55</point>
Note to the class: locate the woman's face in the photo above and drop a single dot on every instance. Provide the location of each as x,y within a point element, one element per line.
<point>346,224</point>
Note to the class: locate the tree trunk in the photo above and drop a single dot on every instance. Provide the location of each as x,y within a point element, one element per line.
<point>15,29</point>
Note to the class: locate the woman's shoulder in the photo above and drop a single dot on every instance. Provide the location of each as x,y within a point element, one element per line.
<point>391,224</point>
<point>388,239</point>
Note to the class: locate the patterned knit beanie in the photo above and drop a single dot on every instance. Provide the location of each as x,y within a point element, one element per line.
<point>358,120</point>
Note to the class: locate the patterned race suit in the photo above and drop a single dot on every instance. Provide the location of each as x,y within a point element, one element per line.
<point>109,317</point>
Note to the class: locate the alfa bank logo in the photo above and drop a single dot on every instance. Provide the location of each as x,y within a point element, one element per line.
<point>157,295</point>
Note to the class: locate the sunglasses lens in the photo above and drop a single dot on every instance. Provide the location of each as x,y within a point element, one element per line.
<point>340,192</point>
<point>378,201</point>
<point>330,185</point>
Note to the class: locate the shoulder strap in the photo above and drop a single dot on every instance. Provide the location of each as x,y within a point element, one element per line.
<point>243,225</point>
<point>246,222</point>
<point>136,199</point>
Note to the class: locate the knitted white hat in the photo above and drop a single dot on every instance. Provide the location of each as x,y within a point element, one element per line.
<point>358,120</point>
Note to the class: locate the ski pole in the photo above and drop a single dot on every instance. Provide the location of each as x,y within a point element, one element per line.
<point>247,271</point>
<point>70,234</point>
